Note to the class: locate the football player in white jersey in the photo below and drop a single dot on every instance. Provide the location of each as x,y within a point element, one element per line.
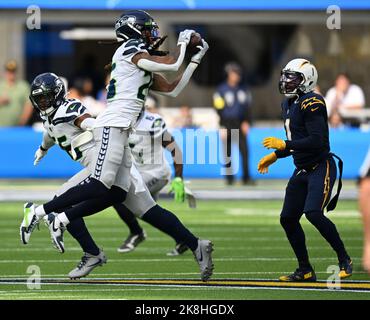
<point>148,143</point>
<point>134,71</point>
<point>68,118</point>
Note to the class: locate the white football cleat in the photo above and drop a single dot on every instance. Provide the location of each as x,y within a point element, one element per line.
<point>29,222</point>
<point>87,264</point>
<point>132,241</point>
<point>203,255</point>
<point>56,229</point>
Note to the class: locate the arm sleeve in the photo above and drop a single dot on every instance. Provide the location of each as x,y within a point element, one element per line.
<point>153,66</point>
<point>316,126</point>
<point>47,141</point>
<point>283,153</point>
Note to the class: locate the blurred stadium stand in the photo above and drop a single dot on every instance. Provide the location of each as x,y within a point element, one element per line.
<point>261,35</point>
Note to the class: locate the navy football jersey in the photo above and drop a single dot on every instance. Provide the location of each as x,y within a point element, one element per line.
<point>306,125</point>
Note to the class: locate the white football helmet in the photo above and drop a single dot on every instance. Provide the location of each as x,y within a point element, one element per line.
<point>298,76</point>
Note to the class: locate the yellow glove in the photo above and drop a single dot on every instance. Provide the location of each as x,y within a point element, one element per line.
<point>274,143</point>
<point>265,162</point>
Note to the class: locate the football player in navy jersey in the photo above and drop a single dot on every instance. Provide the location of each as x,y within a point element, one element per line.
<point>309,189</point>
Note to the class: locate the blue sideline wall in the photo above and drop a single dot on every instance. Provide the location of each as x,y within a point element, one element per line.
<point>18,146</point>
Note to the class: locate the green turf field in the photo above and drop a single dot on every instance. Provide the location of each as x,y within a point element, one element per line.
<point>249,244</point>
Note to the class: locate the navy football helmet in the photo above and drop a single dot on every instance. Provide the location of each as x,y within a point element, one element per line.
<point>47,93</point>
<point>137,24</point>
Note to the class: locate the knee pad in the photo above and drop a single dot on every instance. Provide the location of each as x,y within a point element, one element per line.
<point>117,194</point>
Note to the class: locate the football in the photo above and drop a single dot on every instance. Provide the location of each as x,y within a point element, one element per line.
<point>195,40</point>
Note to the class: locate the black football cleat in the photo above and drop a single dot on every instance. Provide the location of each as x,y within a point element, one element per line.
<point>346,269</point>
<point>300,276</point>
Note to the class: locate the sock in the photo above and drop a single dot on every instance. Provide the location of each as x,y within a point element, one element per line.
<point>63,218</point>
<point>129,218</point>
<point>40,212</point>
<point>90,190</point>
<point>297,240</point>
<point>328,230</point>
<point>78,230</point>
<point>168,223</point>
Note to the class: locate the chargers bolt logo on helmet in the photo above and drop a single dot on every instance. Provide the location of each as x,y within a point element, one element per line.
<point>297,77</point>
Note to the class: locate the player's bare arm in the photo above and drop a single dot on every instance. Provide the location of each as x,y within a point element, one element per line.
<point>169,143</point>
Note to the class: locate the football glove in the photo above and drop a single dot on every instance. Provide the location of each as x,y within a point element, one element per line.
<point>184,36</point>
<point>178,188</point>
<point>274,143</point>
<point>202,51</point>
<point>39,154</point>
<point>192,201</point>
<point>265,162</point>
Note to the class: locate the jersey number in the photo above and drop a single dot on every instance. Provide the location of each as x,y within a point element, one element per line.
<point>143,90</point>
<point>111,89</point>
<point>287,129</point>
<point>61,142</point>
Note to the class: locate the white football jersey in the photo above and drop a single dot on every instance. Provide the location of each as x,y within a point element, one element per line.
<point>146,146</point>
<point>127,89</point>
<point>62,130</point>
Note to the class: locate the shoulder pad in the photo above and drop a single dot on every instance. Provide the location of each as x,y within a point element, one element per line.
<point>133,46</point>
<point>75,107</point>
<point>312,102</point>
<point>158,123</point>
<point>69,111</point>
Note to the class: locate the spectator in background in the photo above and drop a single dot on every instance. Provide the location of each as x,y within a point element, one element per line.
<point>102,94</point>
<point>15,107</point>
<point>343,96</point>
<point>82,89</point>
<point>185,118</point>
<point>232,101</point>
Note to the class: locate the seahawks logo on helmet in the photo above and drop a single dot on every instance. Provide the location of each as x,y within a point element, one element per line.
<point>136,24</point>
<point>125,20</point>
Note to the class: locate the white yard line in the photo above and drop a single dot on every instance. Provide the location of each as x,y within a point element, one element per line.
<point>167,260</point>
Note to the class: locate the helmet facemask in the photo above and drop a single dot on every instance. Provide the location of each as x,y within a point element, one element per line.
<point>150,34</point>
<point>47,101</point>
<point>290,83</point>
